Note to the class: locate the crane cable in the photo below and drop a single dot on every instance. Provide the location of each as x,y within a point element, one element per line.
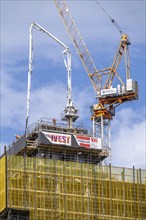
<point>111,19</point>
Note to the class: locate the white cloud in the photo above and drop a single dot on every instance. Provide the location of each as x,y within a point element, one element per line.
<point>46,101</point>
<point>128,139</point>
<point>12,101</point>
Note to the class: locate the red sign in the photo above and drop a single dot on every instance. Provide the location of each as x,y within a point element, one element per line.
<point>83,141</point>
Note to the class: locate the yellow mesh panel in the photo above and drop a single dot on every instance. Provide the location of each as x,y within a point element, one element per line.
<point>59,190</point>
<point>2,183</point>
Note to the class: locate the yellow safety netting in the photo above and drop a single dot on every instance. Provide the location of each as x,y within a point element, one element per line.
<point>2,183</point>
<point>59,190</point>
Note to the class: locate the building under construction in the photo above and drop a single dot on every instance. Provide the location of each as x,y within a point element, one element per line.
<point>55,170</point>
<point>55,174</point>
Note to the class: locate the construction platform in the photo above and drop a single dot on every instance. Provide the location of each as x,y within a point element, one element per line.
<point>48,139</point>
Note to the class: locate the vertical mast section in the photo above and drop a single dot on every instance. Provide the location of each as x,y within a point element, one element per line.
<point>29,72</point>
<point>67,62</point>
<point>70,112</point>
<point>102,129</point>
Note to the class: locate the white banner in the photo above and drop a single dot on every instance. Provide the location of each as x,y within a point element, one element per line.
<point>95,143</point>
<point>88,142</point>
<point>57,138</point>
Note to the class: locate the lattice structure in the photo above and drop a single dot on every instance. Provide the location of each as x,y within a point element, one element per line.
<point>54,189</point>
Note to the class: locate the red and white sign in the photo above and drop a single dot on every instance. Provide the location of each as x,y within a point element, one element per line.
<point>57,138</point>
<point>83,141</point>
<point>88,142</point>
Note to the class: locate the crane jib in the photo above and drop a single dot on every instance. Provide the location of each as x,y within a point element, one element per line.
<point>79,44</point>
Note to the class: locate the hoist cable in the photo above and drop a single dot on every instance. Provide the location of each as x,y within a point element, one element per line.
<point>111,19</point>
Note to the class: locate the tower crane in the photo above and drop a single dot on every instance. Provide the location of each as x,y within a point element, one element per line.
<point>108,97</point>
<point>70,112</point>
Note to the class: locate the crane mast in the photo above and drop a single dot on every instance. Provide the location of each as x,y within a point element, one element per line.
<point>108,97</point>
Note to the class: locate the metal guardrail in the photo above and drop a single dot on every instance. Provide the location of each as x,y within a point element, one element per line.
<point>45,124</point>
<point>32,144</point>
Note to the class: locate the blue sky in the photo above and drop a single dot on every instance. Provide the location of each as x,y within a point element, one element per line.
<point>48,96</point>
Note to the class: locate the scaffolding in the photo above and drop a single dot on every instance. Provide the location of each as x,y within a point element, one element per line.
<point>65,190</point>
<point>44,139</point>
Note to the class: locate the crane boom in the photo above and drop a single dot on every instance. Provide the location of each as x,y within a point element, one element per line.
<point>70,113</point>
<point>79,44</point>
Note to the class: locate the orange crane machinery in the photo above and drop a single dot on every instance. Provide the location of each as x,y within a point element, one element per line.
<point>108,97</point>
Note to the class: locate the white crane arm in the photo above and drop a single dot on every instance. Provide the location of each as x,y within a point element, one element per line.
<point>38,27</point>
<point>67,61</point>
